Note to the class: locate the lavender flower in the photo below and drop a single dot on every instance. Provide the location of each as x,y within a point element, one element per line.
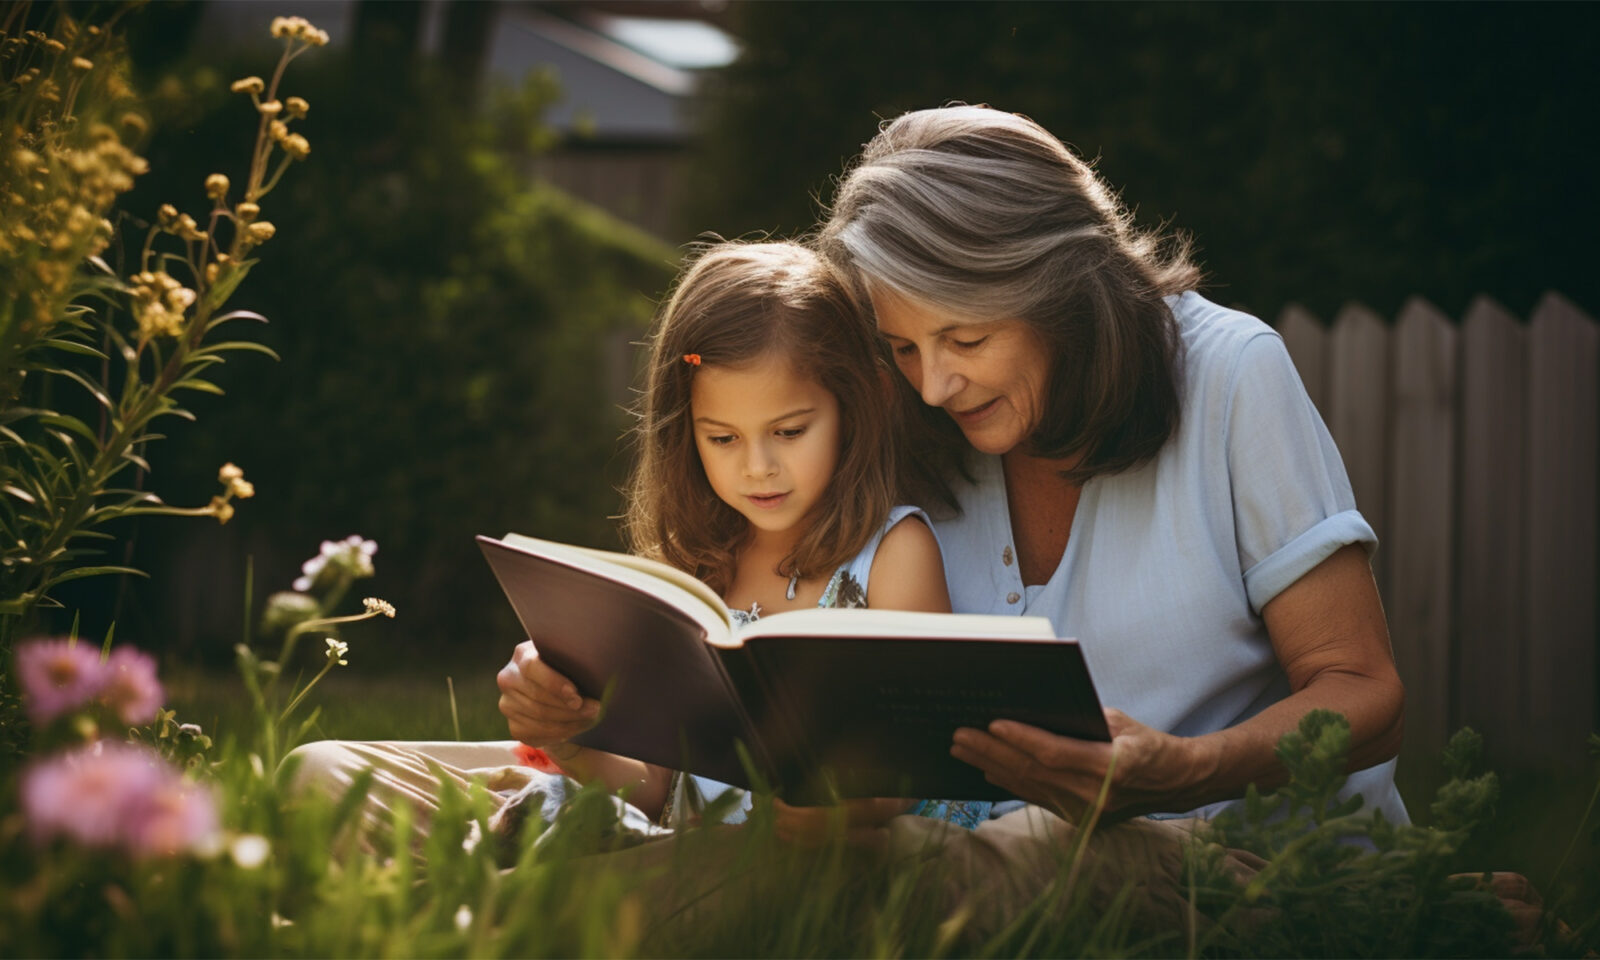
<point>58,676</point>
<point>352,555</point>
<point>131,688</point>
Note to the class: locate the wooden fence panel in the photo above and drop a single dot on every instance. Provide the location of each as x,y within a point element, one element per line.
<point>1563,407</point>
<point>1358,416</point>
<point>1492,692</point>
<point>1421,519</point>
<point>1307,343</point>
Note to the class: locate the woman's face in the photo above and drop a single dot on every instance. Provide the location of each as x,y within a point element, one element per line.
<point>989,375</point>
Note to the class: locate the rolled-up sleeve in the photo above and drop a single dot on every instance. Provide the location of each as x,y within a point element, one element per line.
<point>1293,506</point>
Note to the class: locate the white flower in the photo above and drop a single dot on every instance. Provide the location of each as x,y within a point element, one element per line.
<point>250,850</point>
<point>463,917</point>
<point>374,605</point>
<point>336,651</point>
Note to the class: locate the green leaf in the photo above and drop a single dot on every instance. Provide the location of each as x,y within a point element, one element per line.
<point>83,381</point>
<point>241,345</point>
<point>82,572</point>
<point>195,383</point>
<point>71,346</point>
<point>70,423</point>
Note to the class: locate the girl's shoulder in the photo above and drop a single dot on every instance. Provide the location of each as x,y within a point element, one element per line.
<point>903,569</point>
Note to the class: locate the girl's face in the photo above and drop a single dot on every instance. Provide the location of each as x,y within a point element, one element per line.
<point>768,438</point>
<point>988,375</point>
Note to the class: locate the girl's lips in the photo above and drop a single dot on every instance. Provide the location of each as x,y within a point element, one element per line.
<point>976,413</point>
<point>767,501</point>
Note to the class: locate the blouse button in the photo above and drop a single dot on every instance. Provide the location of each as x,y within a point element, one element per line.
<point>1005,556</point>
<point>1013,597</point>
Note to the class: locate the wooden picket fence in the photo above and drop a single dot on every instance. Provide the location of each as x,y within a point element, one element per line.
<point>1472,451</point>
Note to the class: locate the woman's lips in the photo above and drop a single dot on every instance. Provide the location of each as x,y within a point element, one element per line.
<point>767,501</point>
<point>976,413</point>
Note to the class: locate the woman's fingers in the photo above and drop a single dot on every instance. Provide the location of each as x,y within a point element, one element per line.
<point>861,820</point>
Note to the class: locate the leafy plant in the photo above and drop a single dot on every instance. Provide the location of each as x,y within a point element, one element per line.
<point>80,342</point>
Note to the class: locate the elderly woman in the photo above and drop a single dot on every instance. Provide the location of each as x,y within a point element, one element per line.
<point>1124,457</point>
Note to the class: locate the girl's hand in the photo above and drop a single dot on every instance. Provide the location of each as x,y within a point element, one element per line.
<point>862,821</point>
<point>1154,770</point>
<point>541,706</point>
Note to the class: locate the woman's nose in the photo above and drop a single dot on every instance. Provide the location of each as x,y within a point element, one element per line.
<point>939,382</point>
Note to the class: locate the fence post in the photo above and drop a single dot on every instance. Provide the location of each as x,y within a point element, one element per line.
<point>1358,416</point>
<point>1307,343</point>
<point>1563,408</point>
<point>1422,518</point>
<point>1492,688</point>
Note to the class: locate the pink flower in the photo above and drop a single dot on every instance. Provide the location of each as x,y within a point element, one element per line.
<point>88,794</point>
<point>58,676</point>
<point>176,817</point>
<point>119,795</point>
<point>131,688</point>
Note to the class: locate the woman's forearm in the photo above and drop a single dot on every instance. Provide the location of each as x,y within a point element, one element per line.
<point>1231,759</point>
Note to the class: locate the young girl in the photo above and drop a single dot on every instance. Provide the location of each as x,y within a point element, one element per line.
<point>766,469</point>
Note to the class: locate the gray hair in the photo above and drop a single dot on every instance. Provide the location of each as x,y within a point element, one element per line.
<point>985,214</point>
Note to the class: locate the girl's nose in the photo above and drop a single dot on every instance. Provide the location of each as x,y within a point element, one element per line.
<point>759,461</point>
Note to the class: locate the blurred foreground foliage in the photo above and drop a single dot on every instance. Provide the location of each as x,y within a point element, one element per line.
<point>445,324</point>
<point>1318,152</point>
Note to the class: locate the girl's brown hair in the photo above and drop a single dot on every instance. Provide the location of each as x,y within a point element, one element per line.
<point>986,213</point>
<point>736,304</point>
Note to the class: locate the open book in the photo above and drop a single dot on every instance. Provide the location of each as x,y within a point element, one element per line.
<point>823,703</point>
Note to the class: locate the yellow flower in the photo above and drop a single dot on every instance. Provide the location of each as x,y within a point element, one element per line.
<point>277,130</point>
<point>247,211</point>
<point>166,215</point>
<point>221,509</point>
<point>337,650</point>
<point>55,46</point>
<point>243,489</point>
<point>297,107</point>
<point>229,472</point>
<point>374,605</point>
<point>296,146</point>
<point>262,231</point>
<point>82,63</point>
<point>271,108</point>
<point>249,85</point>
<point>216,186</point>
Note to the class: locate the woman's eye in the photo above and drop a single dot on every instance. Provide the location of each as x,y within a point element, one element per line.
<point>789,433</point>
<point>720,440</point>
<point>969,344</point>
<point>905,349</point>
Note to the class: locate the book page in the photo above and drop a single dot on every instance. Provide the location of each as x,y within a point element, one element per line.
<point>895,623</point>
<point>652,576</point>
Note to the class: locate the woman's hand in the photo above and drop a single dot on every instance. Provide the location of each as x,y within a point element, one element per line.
<point>1153,770</point>
<point>541,706</point>
<point>862,821</point>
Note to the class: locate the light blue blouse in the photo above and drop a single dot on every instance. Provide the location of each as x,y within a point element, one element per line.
<point>1168,566</point>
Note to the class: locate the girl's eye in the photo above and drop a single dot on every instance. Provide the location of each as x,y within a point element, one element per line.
<point>721,440</point>
<point>969,344</point>
<point>789,433</point>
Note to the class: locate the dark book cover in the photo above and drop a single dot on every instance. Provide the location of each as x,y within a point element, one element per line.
<point>820,716</point>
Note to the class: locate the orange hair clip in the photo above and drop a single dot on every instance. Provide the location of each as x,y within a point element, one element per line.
<point>692,359</point>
